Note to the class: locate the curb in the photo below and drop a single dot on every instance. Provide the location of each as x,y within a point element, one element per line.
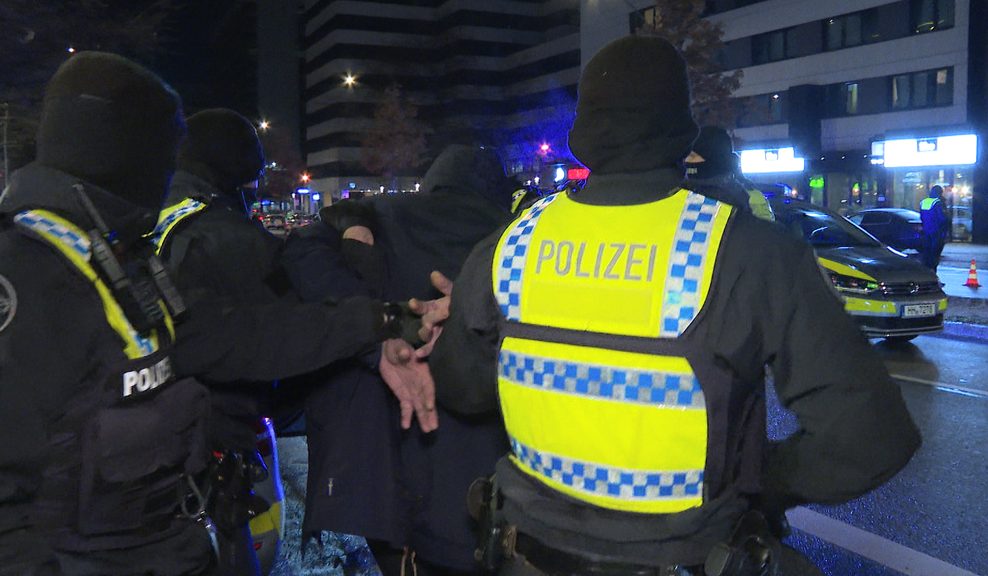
<point>966,303</point>
<point>965,330</point>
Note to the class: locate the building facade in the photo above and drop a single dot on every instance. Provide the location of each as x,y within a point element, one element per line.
<point>853,103</point>
<point>501,73</point>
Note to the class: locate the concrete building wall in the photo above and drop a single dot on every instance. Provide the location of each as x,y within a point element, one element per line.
<point>469,66</point>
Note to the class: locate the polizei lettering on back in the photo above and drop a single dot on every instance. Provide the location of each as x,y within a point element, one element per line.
<point>608,260</point>
<point>138,381</point>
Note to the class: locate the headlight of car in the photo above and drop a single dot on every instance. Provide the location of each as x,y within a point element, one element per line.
<point>852,284</point>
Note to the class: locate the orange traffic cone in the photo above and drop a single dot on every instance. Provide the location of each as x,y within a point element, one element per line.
<point>972,277</point>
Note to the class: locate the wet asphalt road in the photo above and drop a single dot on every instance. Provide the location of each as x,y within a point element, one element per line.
<point>930,520</point>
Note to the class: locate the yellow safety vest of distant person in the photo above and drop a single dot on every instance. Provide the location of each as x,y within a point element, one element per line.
<point>589,412</point>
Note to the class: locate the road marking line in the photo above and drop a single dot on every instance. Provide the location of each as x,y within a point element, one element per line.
<point>953,388</point>
<point>871,546</point>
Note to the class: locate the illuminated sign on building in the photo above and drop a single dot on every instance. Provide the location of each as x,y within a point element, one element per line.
<point>942,151</point>
<point>772,161</point>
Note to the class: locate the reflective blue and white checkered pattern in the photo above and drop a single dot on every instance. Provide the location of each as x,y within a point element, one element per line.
<point>686,264</point>
<point>74,240</point>
<point>602,480</point>
<point>42,224</point>
<point>509,272</point>
<point>190,207</point>
<point>599,381</point>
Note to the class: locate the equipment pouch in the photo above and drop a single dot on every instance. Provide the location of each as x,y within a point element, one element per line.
<point>231,491</point>
<point>752,551</point>
<point>484,503</point>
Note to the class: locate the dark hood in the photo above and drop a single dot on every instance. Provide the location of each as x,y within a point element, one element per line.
<point>114,124</point>
<point>633,108</point>
<point>222,148</point>
<point>37,186</point>
<point>469,170</point>
<point>714,144</point>
<point>419,233</point>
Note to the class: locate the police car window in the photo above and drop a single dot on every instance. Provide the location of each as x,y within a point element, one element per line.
<point>822,230</point>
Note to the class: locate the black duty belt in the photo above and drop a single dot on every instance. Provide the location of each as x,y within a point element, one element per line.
<point>559,563</point>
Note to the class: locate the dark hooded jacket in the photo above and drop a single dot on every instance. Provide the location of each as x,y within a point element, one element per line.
<point>366,476</point>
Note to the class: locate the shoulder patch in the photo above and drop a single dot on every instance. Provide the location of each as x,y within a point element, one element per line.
<point>8,302</point>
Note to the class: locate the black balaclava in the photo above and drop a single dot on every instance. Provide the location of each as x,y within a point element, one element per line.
<point>471,169</point>
<point>222,148</point>
<point>715,145</point>
<point>633,111</point>
<point>108,121</point>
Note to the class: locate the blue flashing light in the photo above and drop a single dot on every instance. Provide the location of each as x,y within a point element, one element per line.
<point>352,185</point>
<point>303,190</point>
<point>559,175</point>
<point>316,197</point>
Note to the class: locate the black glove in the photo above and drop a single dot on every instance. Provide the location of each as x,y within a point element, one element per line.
<point>400,322</point>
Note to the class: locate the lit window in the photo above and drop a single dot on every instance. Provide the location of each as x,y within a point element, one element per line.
<point>851,98</point>
<point>921,89</point>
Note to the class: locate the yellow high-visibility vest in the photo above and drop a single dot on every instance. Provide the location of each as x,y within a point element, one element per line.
<point>75,245</point>
<point>170,217</point>
<point>586,415</point>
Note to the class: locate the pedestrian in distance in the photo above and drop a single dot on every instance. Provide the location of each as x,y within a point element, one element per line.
<point>714,170</point>
<point>936,227</point>
<point>623,334</point>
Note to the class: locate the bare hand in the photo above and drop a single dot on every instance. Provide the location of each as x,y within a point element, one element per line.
<point>433,312</point>
<point>411,383</point>
<point>360,234</point>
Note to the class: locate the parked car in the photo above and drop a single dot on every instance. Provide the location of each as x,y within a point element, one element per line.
<point>890,295</point>
<point>899,228</point>
<point>274,220</point>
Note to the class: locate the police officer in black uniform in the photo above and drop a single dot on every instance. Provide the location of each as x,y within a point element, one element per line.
<point>624,330</point>
<point>714,170</point>
<point>104,439</point>
<point>219,257</point>
<point>100,435</point>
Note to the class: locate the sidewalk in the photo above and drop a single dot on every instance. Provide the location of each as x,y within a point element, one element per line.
<point>965,304</point>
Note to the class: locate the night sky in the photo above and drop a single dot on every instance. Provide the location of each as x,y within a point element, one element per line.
<point>209,55</point>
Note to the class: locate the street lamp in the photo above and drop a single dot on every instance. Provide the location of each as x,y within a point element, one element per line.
<point>349,80</point>
<point>305,177</point>
<point>264,125</point>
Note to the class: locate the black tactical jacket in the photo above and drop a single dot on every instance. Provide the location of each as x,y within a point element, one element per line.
<point>768,306</point>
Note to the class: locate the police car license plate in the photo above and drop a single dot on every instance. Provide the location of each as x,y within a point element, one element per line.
<point>919,310</point>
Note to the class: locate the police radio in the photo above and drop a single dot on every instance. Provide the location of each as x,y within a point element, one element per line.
<point>137,297</point>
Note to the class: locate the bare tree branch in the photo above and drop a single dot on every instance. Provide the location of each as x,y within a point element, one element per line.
<point>700,41</point>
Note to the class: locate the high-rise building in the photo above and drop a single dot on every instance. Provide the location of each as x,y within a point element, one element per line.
<point>853,103</point>
<point>494,72</point>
